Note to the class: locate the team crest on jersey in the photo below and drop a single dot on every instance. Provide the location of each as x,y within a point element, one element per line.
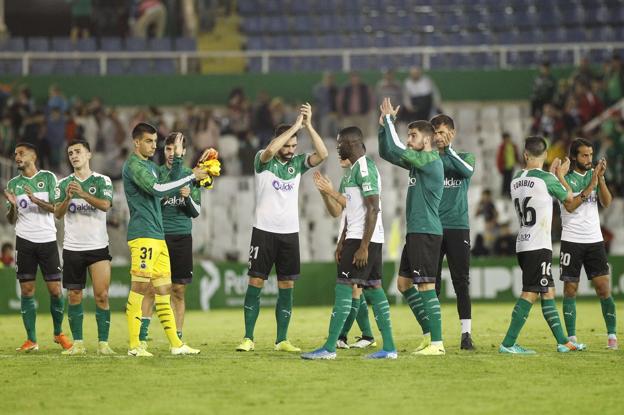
<point>40,185</point>
<point>291,170</point>
<point>92,190</point>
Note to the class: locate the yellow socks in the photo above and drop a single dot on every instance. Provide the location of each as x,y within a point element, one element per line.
<point>133,314</point>
<point>167,320</point>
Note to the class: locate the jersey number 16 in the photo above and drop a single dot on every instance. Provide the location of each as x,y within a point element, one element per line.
<point>526,213</point>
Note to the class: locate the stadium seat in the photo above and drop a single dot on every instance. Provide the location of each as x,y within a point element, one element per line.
<point>185,44</point>
<point>136,44</point>
<point>111,44</point>
<point>38,44</point>
<point>12,44</point>
<point>62,44</point>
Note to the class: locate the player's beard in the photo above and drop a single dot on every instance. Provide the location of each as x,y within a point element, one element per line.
<point>584,167</point>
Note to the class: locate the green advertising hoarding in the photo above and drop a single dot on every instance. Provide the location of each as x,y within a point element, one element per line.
<point>223,285</point>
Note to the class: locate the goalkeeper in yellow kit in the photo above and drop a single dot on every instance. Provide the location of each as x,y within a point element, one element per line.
<point>148,250</point>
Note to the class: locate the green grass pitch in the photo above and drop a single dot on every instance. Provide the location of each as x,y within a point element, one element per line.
<point>222,381</point>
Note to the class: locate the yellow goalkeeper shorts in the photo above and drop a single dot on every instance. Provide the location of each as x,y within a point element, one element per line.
<point>150,261</point>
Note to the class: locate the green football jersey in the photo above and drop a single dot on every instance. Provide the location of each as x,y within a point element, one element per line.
<point>177,211</point>
<point>582,225</point>
<point>458,169</point>
<point>85,225</point>
<point>143,194</point>
<point>277,193</point>
<point>33,223</point>
<point>426,180</point>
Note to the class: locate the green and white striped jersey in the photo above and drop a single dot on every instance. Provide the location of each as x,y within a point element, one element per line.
<point>361,180</point>
<point>532,192</point>
<point>582,225</point>
<point>33,223</point>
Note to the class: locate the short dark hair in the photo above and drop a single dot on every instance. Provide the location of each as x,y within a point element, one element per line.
<point>281,129</point>
<point>170,139</point>
<point>535,145</point>
<point>84,143</point>
<point>6,245</point>
<point>576,144</point>
<point>352,133</point>
<point>28,145</point>
<point>423,126</point>
<point>442,119</point>
<point>506,135</point>
<point>142,128</point>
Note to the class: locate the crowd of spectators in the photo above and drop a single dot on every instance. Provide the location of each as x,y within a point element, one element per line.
<point>562,107</point>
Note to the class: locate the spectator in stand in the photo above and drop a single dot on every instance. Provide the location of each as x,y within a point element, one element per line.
<point>237,116</point>
<point>544,88</point>
<point>549,123</point>
<point>484,242</point>
<point>571,117</point>
<point>6,255</point>
<point>56,100</point>
<point>355,104</point>
<point>207,134</point>
<point>33,131</point>
<point>486,207</point>
<point>505,244</point>
<point>584,73</point>
<point>54,139</point>
<point>150,17</point>
<point>388,87</point>
<point>325,96</point>
<point>589,105</point>
<point>421,97</point>
<point>615,80</point>
<point>507,158</point>
<point>21,107</point>
<point>262,120</point>
<point>7,138</point>
<point>81,24</point>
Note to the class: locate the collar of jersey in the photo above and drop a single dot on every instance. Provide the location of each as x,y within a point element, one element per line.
<point>78,178</point>
<point>357,161</point>
<point>582,175</point>
<point>31,177</point>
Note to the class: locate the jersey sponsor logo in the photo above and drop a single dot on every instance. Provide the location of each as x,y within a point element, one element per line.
<point>92,190</point>
<point>524,183</point>
<point>283,186</point>
<point>367,187</point>
<point>57,192</point>
<point>450,182</point>
<point>40,185</point>
<point>524,237</point>
<point>175,201</point>
<point>23,203</point>
<point>412,181</point>
<point>81,208</point>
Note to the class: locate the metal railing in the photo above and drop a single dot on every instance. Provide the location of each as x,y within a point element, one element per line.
<point>425,52</point>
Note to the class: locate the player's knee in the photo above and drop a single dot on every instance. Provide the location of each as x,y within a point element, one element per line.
<point>101,299</point>
<point>177,292</point>
<point>256,282</point>
<point>404,284</point>
<point>285,284</point>
<point>55,290</point>
<point>569,290</point>
<point>27,290</point>
<point>602,287</point>
<point>75,296</point>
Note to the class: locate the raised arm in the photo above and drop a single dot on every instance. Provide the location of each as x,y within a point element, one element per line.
<point>462,165</point>
<point>278,142</point>
<point>320,151</point>
<point>147,182</point>
<point>333,200</point>
<point>192,199</point>
<point>560,188</point>
<point>604,195</point>
<point>390,146</point>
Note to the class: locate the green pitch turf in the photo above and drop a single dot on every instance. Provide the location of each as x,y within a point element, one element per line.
<point>222,381</point>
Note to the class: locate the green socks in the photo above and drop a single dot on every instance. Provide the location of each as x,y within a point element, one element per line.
<point>29,317</point>
<point>355,306</point>
<point>57,307</point>
<point>75,315</point>
<point>102,318</point>
<point>432,310</point>
<point>251,309</point>
<point>283,311</point>
<point>145,323</point>
<point>342,307</point>
<point>518,318</point>
<point>551,315</point>
<point>381,309</point>
<point>569,315</point>
<point>362,319</point>
<point>608,312</point>
<point>415,303</point>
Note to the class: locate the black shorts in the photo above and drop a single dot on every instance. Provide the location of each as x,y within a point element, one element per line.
<point>456,247</point>
<point>576,255</point>
<point>268,248</point>
<point>419,260</point>
<point>30,255</point>
<point>181,258</point>
<point>76,263</point>
<point>536,273</point>
<point>370,275</point>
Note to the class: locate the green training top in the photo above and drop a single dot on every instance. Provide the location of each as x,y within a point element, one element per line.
<point>426,180</point>
<point>143,193</point>
<point>177,211</point>
<point>458,169</point>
